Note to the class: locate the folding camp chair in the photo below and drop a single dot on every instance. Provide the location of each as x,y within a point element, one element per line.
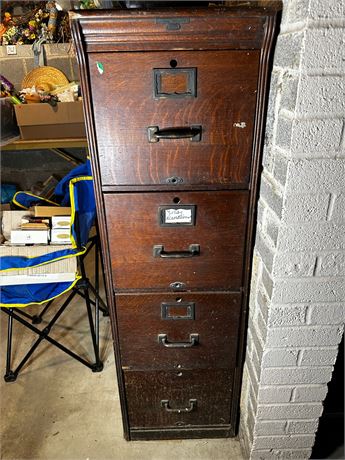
<point>80,190</point>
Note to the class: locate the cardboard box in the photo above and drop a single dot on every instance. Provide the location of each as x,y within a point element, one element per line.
<point>11,220</point>
<point>49,211</point>
<point>60,270</point>
<point>8,126</point>
<point>29,236</point>
<point>60,236</point>
<point>68,265</point>
<point>43,121</point>
<point>61,221</point>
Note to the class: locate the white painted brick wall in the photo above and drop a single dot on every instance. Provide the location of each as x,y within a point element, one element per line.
<point>298,291</point>
<point>274,394</point>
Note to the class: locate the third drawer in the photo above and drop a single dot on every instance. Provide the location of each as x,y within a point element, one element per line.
<point>169,331</point>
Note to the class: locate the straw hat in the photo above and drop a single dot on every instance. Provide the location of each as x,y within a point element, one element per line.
<point>44,78</point>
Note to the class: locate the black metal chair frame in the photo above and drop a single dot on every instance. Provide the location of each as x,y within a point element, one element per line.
<point>83,288</point>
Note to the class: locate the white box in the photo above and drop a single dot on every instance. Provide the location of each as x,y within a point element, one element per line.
<point>61,221</point>
<point>29,236</point>
<point>60,236</point>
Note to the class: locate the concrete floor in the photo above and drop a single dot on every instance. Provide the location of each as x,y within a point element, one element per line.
<point>58,409</point>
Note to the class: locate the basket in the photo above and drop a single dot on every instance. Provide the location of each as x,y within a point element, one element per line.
<point>45,78</point>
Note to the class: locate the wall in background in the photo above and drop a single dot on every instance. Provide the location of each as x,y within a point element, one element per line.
<point>296,316</point>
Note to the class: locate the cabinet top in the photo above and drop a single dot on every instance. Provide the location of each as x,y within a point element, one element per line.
<point>241,25</point>
<point>233,8</point>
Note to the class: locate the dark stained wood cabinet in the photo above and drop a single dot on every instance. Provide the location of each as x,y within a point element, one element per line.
<point>174,102</point>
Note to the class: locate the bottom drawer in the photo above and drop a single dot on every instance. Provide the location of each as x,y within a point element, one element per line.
<point>178,399</point>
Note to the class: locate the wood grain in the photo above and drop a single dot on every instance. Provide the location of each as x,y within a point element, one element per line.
<point>133,230</point>
<point>216,322</point>
<point>125,107</point>
<point>145,390</point>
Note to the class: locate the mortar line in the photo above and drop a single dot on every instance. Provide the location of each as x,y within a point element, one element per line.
<point>330,207</point>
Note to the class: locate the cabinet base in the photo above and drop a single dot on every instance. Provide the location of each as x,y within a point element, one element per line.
<point>141,434</point>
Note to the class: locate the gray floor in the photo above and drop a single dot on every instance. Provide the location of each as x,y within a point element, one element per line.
<point>58,409</point>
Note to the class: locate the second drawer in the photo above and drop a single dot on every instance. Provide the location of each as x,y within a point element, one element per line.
<point>165,331</point>
<point>195,240</point>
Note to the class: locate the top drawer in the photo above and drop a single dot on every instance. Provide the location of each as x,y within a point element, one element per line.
<point>136,95</point>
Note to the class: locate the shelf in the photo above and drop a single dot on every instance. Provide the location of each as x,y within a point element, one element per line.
<point>41,144</point>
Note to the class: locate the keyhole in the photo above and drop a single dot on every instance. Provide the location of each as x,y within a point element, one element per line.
<point>173,63</point>
<point>176,200</point>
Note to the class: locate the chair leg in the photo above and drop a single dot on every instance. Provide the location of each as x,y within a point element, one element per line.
<point>94,326</point>
<point>9,376</point>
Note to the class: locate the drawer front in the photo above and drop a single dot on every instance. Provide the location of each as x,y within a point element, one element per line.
<point>204,252</point>
<point>214,90</point>
<point>194,330</point>
<point>178,398</point>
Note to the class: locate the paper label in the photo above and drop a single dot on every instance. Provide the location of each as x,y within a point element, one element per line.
<point>178,216</point>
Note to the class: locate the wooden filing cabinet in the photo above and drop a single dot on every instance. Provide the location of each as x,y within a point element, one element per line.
<point>174,102</point>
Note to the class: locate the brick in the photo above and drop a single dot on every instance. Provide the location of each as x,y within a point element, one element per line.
<point>288,50</point>
<point>276,357</point>
<point>329,9</point>
<point>312,237</point>
<point>257,340</point>
<point>312,138</point>
<point>295,375</point>
<point>271,194</point>
<point>304,336</point>
<point>284,132</point>
<point>309,290</point>
<point>266,281</point>
<point>274,394</point>
<point>270,428</point>
<point>316,176</point>
<point>338,209</point>
<point>296,10</point>
<point>280,168</point>
<point>305,208</point>
<point>266,250</point>
<point>261,211</point>
<point>252,377</point>
<point>262,325</point>
<point>326,50</point>
<point>326,314</point>
<point>289,411</point>
<point>289,90</point>
<point>286,315</point>
<point>319,357</point>
<point>280,454</point>
<point>272,227</point>
<point>310,393</point>
<point>271,110</point>
<point>319,96</point>
<point>283,442</point>
<point>256,360</point>
<point>294,264</point>
<point>332,264</point>
<point>302,426</point>
<point>263,303</point>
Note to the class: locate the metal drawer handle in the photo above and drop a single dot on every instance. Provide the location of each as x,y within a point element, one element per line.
<point>193,250</point>
<point>193,340</point>
<point>193,133</point>
<point>166,405</point>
